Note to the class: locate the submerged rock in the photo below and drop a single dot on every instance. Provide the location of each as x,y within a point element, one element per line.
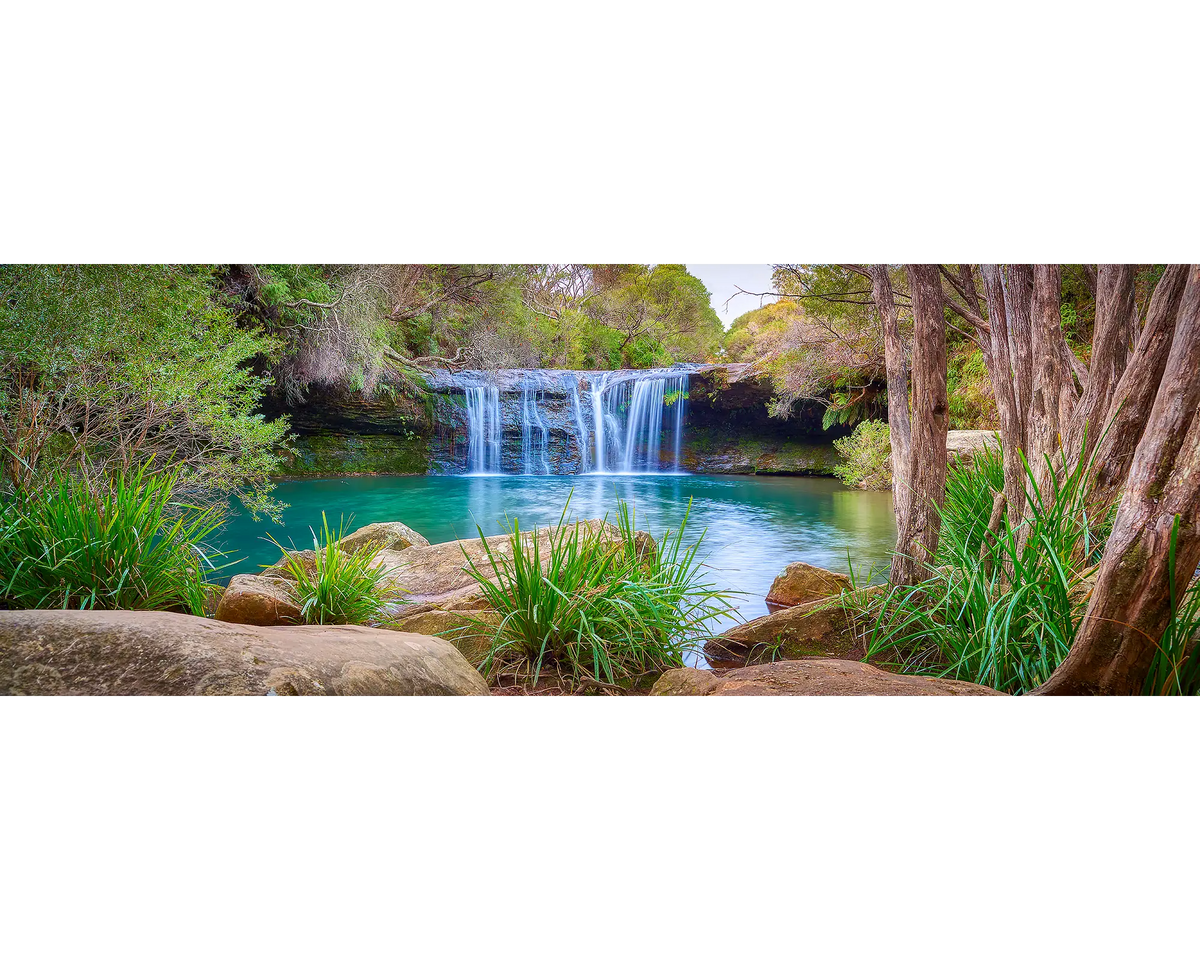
<point>151,652</point>
<point>801,582</point>
<point>810,678</point>
<point>258,600</point>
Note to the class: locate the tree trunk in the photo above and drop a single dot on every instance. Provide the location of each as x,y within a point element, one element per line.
<point>1130,605</point>
<point>1018,309</point>
<point>917,539</point>
<point>899,423</point>
<point>1134,395</point>
<point>1115,313</point>
<point>1054,395</point>
<point>1000,369</point>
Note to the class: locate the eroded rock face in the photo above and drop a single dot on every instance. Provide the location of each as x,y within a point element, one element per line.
<point>801,582</point>
<point>810,678</point>
<point>150,652</point>
<point>392,535</point>
<point>261,601</point>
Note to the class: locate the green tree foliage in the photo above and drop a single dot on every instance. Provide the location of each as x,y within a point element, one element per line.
<point>110,367</point>
<point>866,456</point>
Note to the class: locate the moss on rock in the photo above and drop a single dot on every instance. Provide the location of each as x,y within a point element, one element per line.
<point>323,454</point>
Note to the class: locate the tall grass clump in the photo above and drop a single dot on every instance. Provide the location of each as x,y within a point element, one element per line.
<point>1175,670</point>
<point>592,607</point>
<point>338,586</point>
<point>1004,615</point>
<point>120,542</point>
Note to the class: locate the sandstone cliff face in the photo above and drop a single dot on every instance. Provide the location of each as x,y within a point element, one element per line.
<point>726,426</point>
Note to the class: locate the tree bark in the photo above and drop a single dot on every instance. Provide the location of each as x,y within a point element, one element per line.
<point>1115,312</point>
<point>1004,386</point>
<point>1054,394</point>
<point>899,422</point>
<point>1134,395</point>
<point>918,533</point>
<point>1018,309</point>
<point>1130,605</point>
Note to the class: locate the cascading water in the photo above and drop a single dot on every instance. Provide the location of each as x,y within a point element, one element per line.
<point>483,420</point>
<point>621,425</point>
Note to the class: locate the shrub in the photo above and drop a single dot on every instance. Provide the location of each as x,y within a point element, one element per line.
<point>122,542</point>
<point>594,610</point>
<point>866,456</point>
<point>971,486</point>
<point>341,586</point>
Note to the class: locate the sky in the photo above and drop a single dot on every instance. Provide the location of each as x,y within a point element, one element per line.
<point>723,279</point>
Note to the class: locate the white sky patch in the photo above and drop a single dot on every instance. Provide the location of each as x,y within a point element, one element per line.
<point>723,279</point>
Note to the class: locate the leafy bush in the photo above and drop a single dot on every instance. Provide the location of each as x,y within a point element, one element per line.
<point>121,542</point>
<point>596,610</point>
<point>866,456</point>
<point>341,586</point>
<point>1006,623</point>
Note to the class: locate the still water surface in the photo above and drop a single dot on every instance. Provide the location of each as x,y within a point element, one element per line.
<point>755,525</point>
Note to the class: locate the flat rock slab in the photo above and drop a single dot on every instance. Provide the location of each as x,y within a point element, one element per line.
<point>967,443</point>
<point>150,652</point>
<point>811,678</point>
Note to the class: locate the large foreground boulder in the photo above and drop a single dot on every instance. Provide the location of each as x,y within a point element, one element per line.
<point>810,678</point>
<point>801,582</point>
<point>149,652</point>
<point>259,601</point>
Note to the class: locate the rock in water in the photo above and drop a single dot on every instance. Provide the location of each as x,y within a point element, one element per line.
<point>811,678</point>
<point>392,535</point>
<point>150,652</point>
<point>801,582</point>
<point>261,601</point>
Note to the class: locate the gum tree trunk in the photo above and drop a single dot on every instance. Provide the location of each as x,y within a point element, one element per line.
<point>1018,309</point>
<point>1134,395</point>
<point>899,423</point>
<point>1130,605</point>
<point>917,538</point>
<point>1054,395</point>
<point>1004,386</point>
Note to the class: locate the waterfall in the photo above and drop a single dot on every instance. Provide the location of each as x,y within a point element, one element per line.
<point>622,425</point>
<point>483,419</point>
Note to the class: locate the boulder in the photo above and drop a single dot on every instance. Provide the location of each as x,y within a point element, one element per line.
<point>801,582</point>
<point>459,627</point>
<point>279,569</point>
<point>151,652</point>
<point>392,535</point>
<point>964,444</point>
<point>261,601</point>
<point>810,678</point>
<point>437,575</point>
<point>820,628</point>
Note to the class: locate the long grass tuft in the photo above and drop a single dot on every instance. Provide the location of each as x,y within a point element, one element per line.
<point>122,542</point>
<point>340,586</point>
<point>592,607</point>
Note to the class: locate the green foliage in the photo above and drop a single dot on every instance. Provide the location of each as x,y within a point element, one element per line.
<point>972,403</point>
<point>597,609</point>
<point>341,586</point>
<point>122,541</point>
<point>1006,620</point>
<point>866,456</point>
<point>117,366</point>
